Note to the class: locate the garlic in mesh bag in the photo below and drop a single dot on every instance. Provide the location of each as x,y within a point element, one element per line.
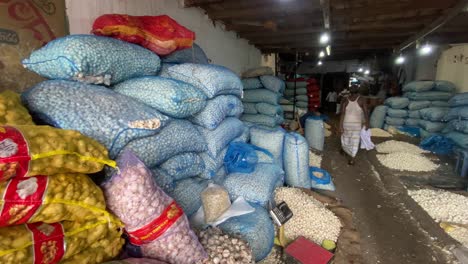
<point>43,150</point>
<point>155,225</point>
<point>65,242</point>
<point>11,110</point>
<point>215,200</point>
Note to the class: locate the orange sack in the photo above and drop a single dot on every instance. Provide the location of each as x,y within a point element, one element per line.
<point>161,34</point>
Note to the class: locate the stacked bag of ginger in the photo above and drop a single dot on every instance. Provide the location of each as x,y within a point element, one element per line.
<point>51,210</point>
<point>262,93</point>
<point>423,105</point>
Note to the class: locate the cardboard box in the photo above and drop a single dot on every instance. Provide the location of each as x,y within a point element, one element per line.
<point>26,25</point>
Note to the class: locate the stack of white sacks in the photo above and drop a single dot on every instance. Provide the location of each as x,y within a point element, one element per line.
<point>261,99</point>
<point>424,105</point>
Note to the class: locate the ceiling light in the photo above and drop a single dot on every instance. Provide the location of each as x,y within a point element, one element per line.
<point>400,60</point>
<point>328,50</point>
<point>360,70</point>
<point>319,63</point>
<point>425,50</point>
<point>321,54</point>
<point>324,38</point>
<point>367,72</point>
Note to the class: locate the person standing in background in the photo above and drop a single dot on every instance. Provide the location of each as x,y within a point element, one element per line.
<point>331,100</point>
<point>353,115</point>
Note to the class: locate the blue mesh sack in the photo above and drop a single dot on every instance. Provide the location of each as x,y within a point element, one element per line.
<point>100,113</point>
<point>418,105</point>
<point>432,127</point>
<point>163,180</point>
<point>445,86</point>
<point>394,121</point>
<point>440,104</point>
<point>299,91</point>
<point>251,83</point>
<point>397,102</point>
<point>211,79</point>
<point>419,86</point>
<point>164,70</point>
<point>273,83</point>
<point>256,228</point>
<point>92,59</point>
<point>460,99</point>
<point>401,113</point>
<point>212,164</point>
<point>195,54</point>
<point>178,137</point>
<point>458,138</point>
<point>183,166</point>
<point>242,157</point>
<point>219,138</point>
<point>173,98</point>
<point>220,176</point>
<point>412,122</point>
<point>250,108</point>
<point>187,193</point>
<point>429,96</point>
<point>414,114</point>
<point>377,117</point>
<point>216,110</point>
<point>245,136</point>
<point>257,186</point>
<point>424,133</point>
<point>457,113</point>
<point>458,125</point>
<point>315,133</point>
<point>410,130</point>
<point>437,144</point>
<point>434,113</point>
<point>271,140</point>
<point>296,161</point>
<point>261,96</point>
<point>269,109</point>
<point>264,120</point>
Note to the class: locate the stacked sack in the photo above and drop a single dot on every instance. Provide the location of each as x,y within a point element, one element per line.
<point>261,100</point>
<point>313,91</point>
<point>51,211</point>
<point>428,105</point>
<point>457,117</point>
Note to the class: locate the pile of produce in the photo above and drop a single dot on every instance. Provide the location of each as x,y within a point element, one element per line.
<point>403,156</point>
<point>315,160</point>
<point>393,146</point>
<point>377,132</point>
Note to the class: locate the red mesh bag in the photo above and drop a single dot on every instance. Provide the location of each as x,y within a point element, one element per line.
<point>161,34</point>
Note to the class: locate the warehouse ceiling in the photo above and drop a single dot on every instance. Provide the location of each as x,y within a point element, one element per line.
<point>358,28</point>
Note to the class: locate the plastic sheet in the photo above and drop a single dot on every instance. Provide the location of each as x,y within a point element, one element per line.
<point>178,137</point>
<point>173,98</point>
<point>251,83</point>
<point>219,138</point>
<point>187,194</point>
<point>211,79</point>
<point>195,54</point>
<point>437,144</point>
<point>216,110</point>
<point>315,133</point>
<point>100,113</point>
<point>255,228</point>
<point>261,96</point>
<point>92,59</point>
<point>397,102</point>
<point>273,83</point>
<point>257,186</point>
<point>377,118</point>
<point>271,140</point>
<point>296,161</point>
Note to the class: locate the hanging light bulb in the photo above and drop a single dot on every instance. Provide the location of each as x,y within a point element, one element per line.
<point>400,60</point>
<point>360,70</point>
<point>425,49</point>
<point>319,63</point>
<point>324,38</point>
<point>321,54</point>
<point>328,49</point>
<point>367,72</point>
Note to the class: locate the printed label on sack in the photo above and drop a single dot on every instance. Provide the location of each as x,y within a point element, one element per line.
<point>158,226</point>
<point>14,153</point>
<point>49,244</point>
<point>22,198</point>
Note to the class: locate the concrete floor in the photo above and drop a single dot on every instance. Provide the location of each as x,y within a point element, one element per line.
<point>393,228</point>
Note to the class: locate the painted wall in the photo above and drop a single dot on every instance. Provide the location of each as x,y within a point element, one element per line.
<point>453,66</point>
<point>222,47</point>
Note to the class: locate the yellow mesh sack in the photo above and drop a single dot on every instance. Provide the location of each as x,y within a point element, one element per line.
<point>12,112</point>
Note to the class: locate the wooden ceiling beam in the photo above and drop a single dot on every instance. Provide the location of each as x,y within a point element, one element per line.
<point>196,3</point>
<point>337,39</point>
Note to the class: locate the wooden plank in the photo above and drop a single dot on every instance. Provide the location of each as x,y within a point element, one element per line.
<point>438,23</point>
<point>194,3</point>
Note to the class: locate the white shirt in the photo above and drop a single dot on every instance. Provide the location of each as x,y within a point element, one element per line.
<point>331,97</point>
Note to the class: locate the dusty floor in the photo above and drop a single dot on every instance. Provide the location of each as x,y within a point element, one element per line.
<point>393,228</point>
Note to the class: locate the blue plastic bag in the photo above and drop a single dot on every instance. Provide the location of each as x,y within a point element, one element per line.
<point>438,144</point>
<point>322,183</point>
<point>242,157</point>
